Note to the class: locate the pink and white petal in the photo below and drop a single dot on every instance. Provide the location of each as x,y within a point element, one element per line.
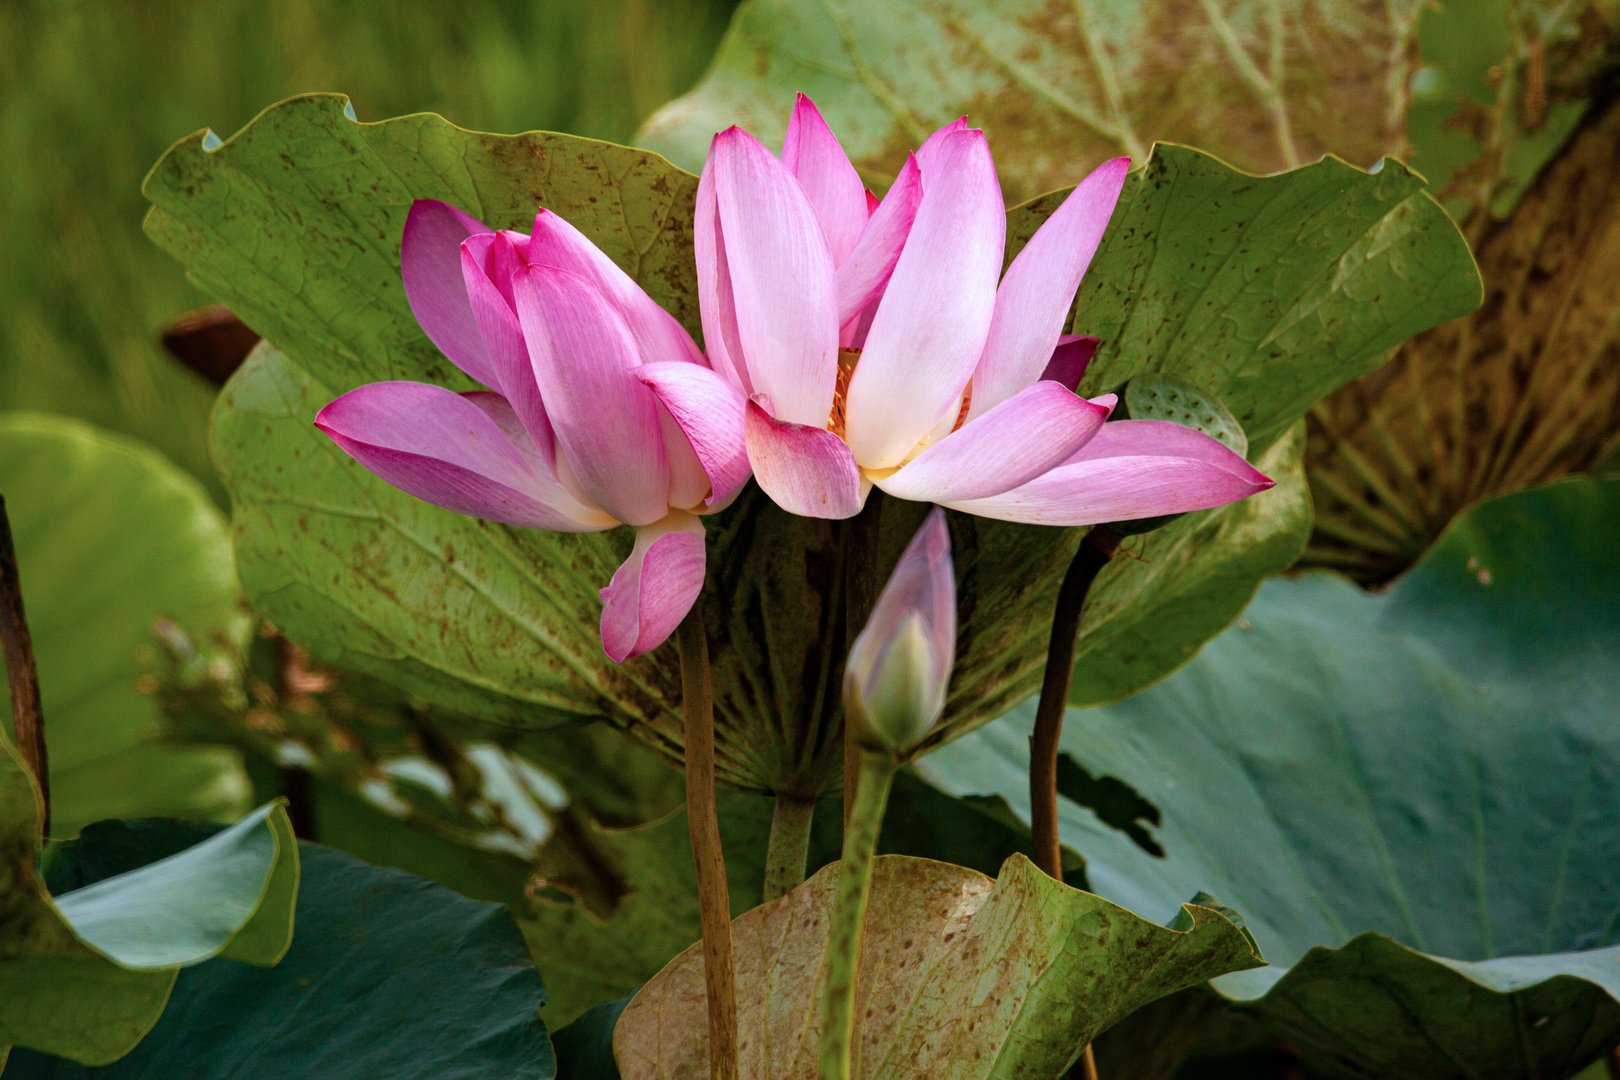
<point>447,450</point>
<point>658,335</point>
<point>805,470</point>
<point>503,337</point>
<point>688,483</point>
<point>654,588</point>
<point>546,486</point>
<point>928,152</point>
<point>1069,360</point>
<point>710,412</point>
<point>812,154</point>
<point>863,275</point>
<point>1034,299</point>
<point>1015,442</point>
<point>1143,470</point>
<point>782,279</point>
<point>430,263</point>
<point>605,419</point>
<point>717,307</point>
<point>930,329</point>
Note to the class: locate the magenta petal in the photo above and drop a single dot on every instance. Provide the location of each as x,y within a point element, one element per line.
<point>503,338</point>
<point>1131,469</point>
<point>654,588</point>
<point>782,280</point>
<point>1069,360</point>
<point>430,263</point>
<point>605,419</point>
<point>805,470</point>
<point>1033,301</point>
<point>710,413</point>
<point>464,453</point>
<point>928,152</point>
<point>930,329</point>
<point>1012,443</point>
<point>863,275</point>
<point>811,152</point>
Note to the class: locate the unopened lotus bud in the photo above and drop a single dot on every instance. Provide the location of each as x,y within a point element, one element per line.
<point>900,665</point>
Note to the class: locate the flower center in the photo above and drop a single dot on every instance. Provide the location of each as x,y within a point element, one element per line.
<point>847,359</point>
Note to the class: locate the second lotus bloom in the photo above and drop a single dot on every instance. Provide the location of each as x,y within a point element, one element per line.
<point>876,346</point>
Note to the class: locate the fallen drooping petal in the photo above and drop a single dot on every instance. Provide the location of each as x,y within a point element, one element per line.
<point>654,588</point>
<point>430,262</point>
<point>487,260</point>
<point>1131,469</point>
<point>805,470</point>
<point>1033,301</point>
<point>782,281</point>
<point>466,453</point>
<point>930,329</point>
<point>1070,360</point>
<point>710,412</point>
<point>811,152</point>
<point>863,275</point>
<point>1015,442</point>
<point>605,419</point>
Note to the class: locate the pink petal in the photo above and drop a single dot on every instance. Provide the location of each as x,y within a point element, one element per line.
<point>605,419</point>
<point>1034,299</point>
<point>464,453</point>
<point>485,261</point>
<point>710,413</point>
<point>805,470</point>
<point>930,329</point>
<point>1069,360</point>
<point>658,335</point>
<point>717,306</point>
<point>863,275</point>
<point>872,203</point>
<point>813,155</point>
<point>1015,442</point>
<point>924,583</point>
<point>430,263</point>
<point>928,152</point>
<point>1131,469</point>
<point>781,275</point>
<point>654,588</point>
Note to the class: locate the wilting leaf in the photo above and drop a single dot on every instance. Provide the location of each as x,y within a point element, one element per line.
<point>110,536</point>
<point>960,977</point>
<point>1413,796</point>
<point>388,976</point>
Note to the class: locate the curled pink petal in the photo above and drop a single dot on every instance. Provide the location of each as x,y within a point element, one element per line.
<point>1069,360</point>
<point>654,588</point>
<point>1015,442</point>
<point>486,260</point>
<point>716,304</point>
<point>430,262</point>
<point>1033,301</point>
<point>805,470</point>
<point>930,329</point>
<point>782,280</point>
<point>710,412</point>
<point>811,152</point>
<point>605,419</point>
<point>1130,469</point>
<point>862,276</point>
<point>466,453</point>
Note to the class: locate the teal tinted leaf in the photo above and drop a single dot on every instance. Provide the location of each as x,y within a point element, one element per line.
<point>110,536</point>
<point>1413,796</point>
<point>389,975</point>
<point>585,1047</point>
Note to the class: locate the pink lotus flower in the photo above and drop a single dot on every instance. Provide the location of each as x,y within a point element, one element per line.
<point>573,437</point>
<point>875,345</point>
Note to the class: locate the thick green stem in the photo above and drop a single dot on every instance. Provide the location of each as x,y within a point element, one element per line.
<point>789,845</point>
<point>27,722</point>
<point>714,902</point>
<point>849,914</point>
<point>861,588</point>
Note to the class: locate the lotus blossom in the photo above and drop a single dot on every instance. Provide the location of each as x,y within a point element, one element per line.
<point>876,345</point>
<point>570,436</point>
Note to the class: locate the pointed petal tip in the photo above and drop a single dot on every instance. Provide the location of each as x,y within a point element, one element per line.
<point>805,470</point>
<point>653,589</point>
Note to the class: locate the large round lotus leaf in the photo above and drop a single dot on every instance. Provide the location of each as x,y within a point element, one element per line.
<point>1413,796</point>
<point>109,537</point>
<point>295,223</point>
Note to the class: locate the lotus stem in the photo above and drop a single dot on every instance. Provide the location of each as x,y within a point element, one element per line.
<point>26,718</point>
<point>789,844</point>
<point>843,960</point>
<point>714,901</point>
<point>861,587</point>
<point>1095,551</point>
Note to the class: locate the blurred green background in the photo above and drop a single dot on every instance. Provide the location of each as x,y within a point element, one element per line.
<point>93,91</point>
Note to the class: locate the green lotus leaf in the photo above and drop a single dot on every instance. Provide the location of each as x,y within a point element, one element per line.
<point>1414,796</point>
<point>389,975</point>
<point>110,536</point>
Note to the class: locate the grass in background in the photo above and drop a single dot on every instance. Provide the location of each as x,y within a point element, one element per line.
<point>93,91</point>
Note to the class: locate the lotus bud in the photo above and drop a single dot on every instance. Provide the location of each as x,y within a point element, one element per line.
<point>900,665</point>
